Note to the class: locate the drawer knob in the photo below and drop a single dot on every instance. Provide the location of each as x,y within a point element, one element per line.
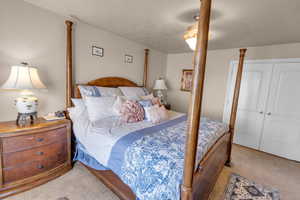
<point>40,139</point>
<point>40,166</point>
<point>40,153</point>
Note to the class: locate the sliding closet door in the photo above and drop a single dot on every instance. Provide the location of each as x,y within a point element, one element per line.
<point>252,103</point>
<point>281,134</point>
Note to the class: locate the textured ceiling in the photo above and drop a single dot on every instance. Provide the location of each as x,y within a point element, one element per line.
<point>160,24</point>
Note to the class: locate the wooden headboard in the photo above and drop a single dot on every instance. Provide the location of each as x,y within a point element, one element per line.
<point>106,82</point>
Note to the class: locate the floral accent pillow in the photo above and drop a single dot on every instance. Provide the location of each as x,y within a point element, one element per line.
<point>132,111</point>
<point>156,113</point>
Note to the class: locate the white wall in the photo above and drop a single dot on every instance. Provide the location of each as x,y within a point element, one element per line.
<point>216,74</point>
<point>37,36</point>
<point>112,64</point>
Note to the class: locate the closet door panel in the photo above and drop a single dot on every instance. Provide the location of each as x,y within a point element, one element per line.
<point>252,103</point>
<point>282,137</point>
<point>281,134</point>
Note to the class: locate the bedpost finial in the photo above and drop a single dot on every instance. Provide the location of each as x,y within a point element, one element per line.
<point>68,23</point>
<point>243,51</point>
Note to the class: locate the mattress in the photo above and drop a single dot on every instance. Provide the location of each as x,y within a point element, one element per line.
<point>99,138</point>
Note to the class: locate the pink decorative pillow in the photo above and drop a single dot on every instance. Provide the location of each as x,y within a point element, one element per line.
<point>132,111</point>
<point>157,113</point>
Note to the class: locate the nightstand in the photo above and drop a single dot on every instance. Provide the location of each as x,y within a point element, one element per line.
<point>33,154</point>
<point>168,106</point>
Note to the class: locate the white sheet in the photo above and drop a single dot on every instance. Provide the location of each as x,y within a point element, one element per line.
<point>99,137</point>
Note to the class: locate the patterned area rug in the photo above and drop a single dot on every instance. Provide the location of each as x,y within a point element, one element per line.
<point>63,198</point>
<point>240,188</point>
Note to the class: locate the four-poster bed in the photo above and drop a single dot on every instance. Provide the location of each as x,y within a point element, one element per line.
<point>196,183</point>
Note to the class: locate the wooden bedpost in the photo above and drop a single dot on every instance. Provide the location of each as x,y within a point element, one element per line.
<point>69,65</point>
<point>145,77</point>
<point>196,99</point>
<point>235,102</point>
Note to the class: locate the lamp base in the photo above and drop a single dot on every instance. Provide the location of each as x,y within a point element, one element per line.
<point>161,97</point>
<point>22,118</point>
<point>26,103</point>
<point>27,107</point>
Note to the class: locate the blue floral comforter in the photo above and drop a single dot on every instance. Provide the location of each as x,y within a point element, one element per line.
<point>150,161</point>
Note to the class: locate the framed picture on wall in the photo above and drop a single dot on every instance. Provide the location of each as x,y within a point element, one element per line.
<point>186,80</point>
<point>128,58</point>
<point>97,51</point>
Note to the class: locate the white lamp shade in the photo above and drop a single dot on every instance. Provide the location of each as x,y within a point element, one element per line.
<point>23,78</point>
<point>160,85</point>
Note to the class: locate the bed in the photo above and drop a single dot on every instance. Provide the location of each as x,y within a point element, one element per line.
<point>197,155</point>
<point>104,154</point>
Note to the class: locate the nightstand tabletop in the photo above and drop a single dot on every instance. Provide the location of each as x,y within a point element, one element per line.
<point>11,126</point>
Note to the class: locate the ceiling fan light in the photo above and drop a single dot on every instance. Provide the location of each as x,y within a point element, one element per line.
<point>192,42</point>
<point>190,36</point>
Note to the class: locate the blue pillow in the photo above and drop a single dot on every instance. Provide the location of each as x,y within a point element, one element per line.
<point>145,91</point>
<point>144,104</point>
<point>91,91</point>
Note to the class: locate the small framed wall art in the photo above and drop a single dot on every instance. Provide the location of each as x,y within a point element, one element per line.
<point>187,80</point>
<point>97,51</point>
<point>128,58</point>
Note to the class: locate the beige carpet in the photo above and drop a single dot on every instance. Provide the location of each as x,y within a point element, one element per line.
<point>79,184</point>
<point>262,168</point>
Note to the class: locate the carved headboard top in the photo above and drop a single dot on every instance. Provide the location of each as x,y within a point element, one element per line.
<point>106,82</point>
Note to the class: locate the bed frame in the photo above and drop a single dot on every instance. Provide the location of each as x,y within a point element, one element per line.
<point>197,184</point>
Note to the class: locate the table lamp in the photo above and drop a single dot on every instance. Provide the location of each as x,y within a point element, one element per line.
<point>160,85</point>
<point>25,79</point>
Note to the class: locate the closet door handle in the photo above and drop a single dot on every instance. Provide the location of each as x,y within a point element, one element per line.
<point>261,112</point>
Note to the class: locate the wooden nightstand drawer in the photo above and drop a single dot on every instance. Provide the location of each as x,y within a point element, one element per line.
<point>31,169</point>
<point>19,143</point>
<point>35,154</point>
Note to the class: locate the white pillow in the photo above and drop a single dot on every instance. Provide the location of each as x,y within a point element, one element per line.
<point>156,114</point>
<point>118,104</point>
<point>134,91</point>
<point>96,91</point>
<point>78,102</point>
<point>109,92</point>
<point>100,107</point>
<point>76,112</point>
<point>78,109</point>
